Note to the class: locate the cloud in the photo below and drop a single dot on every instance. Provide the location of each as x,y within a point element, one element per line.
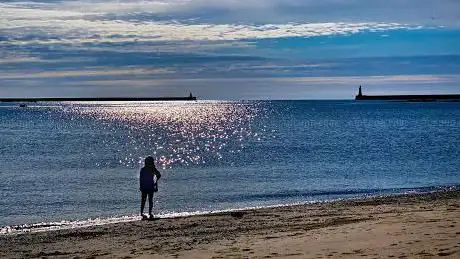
<point>84,22</point>
<point>79,31</point>
<point>356,80</point>
<point>341,80</point>
<point>440,12</point>
<point>87,72</point>
<point>88,24</point>
<point>11,59</point>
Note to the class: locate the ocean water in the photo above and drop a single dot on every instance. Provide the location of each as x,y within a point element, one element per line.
<point>79,161</point>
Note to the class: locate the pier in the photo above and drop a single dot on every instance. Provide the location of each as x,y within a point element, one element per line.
<point>97,99</point>
<point>420,98</point>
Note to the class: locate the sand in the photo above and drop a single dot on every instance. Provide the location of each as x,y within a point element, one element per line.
<point>412,226</point>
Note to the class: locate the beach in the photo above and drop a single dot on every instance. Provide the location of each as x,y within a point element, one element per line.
<point>410,225</point>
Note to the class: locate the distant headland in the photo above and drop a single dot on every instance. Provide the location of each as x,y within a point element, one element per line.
<point>97,99</point>
<point>414,98</point>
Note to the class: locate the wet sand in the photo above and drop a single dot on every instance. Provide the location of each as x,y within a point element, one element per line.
<point>413,226</point>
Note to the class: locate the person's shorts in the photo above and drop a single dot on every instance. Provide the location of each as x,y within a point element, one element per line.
<point>147,191</point>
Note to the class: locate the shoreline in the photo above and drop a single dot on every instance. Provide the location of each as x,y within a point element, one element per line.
<point>414,225</point>
<point>36,227</point>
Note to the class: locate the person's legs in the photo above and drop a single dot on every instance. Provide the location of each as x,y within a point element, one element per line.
<point>143,198</point>
<point>150,203</point>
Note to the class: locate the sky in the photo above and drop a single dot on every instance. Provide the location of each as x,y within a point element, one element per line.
<point>228,49</point>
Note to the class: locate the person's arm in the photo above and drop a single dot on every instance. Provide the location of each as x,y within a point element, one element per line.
<point>157,173</point>
<point>140,180</point>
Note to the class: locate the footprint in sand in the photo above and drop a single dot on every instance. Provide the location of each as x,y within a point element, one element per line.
<point>446,253</point>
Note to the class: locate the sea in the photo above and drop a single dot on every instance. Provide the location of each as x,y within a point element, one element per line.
<point>73,164</point>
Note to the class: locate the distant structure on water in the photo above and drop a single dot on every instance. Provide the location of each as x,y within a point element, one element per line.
<point>97,99</point>
<point>414,98</point>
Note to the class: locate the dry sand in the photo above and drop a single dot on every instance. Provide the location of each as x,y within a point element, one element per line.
<point>413,226</point>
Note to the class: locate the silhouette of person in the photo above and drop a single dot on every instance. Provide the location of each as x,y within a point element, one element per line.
<point>148,184</point>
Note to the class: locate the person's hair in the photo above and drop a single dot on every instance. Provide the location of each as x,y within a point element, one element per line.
<point>149,161</point>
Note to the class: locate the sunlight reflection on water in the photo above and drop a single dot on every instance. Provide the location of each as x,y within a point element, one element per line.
<point>174,132</point>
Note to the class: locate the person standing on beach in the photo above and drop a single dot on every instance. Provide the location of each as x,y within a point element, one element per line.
<point>148,184</point>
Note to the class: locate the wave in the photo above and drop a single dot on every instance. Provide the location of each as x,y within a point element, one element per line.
<point>338,194</point>
<point>342,193</point>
